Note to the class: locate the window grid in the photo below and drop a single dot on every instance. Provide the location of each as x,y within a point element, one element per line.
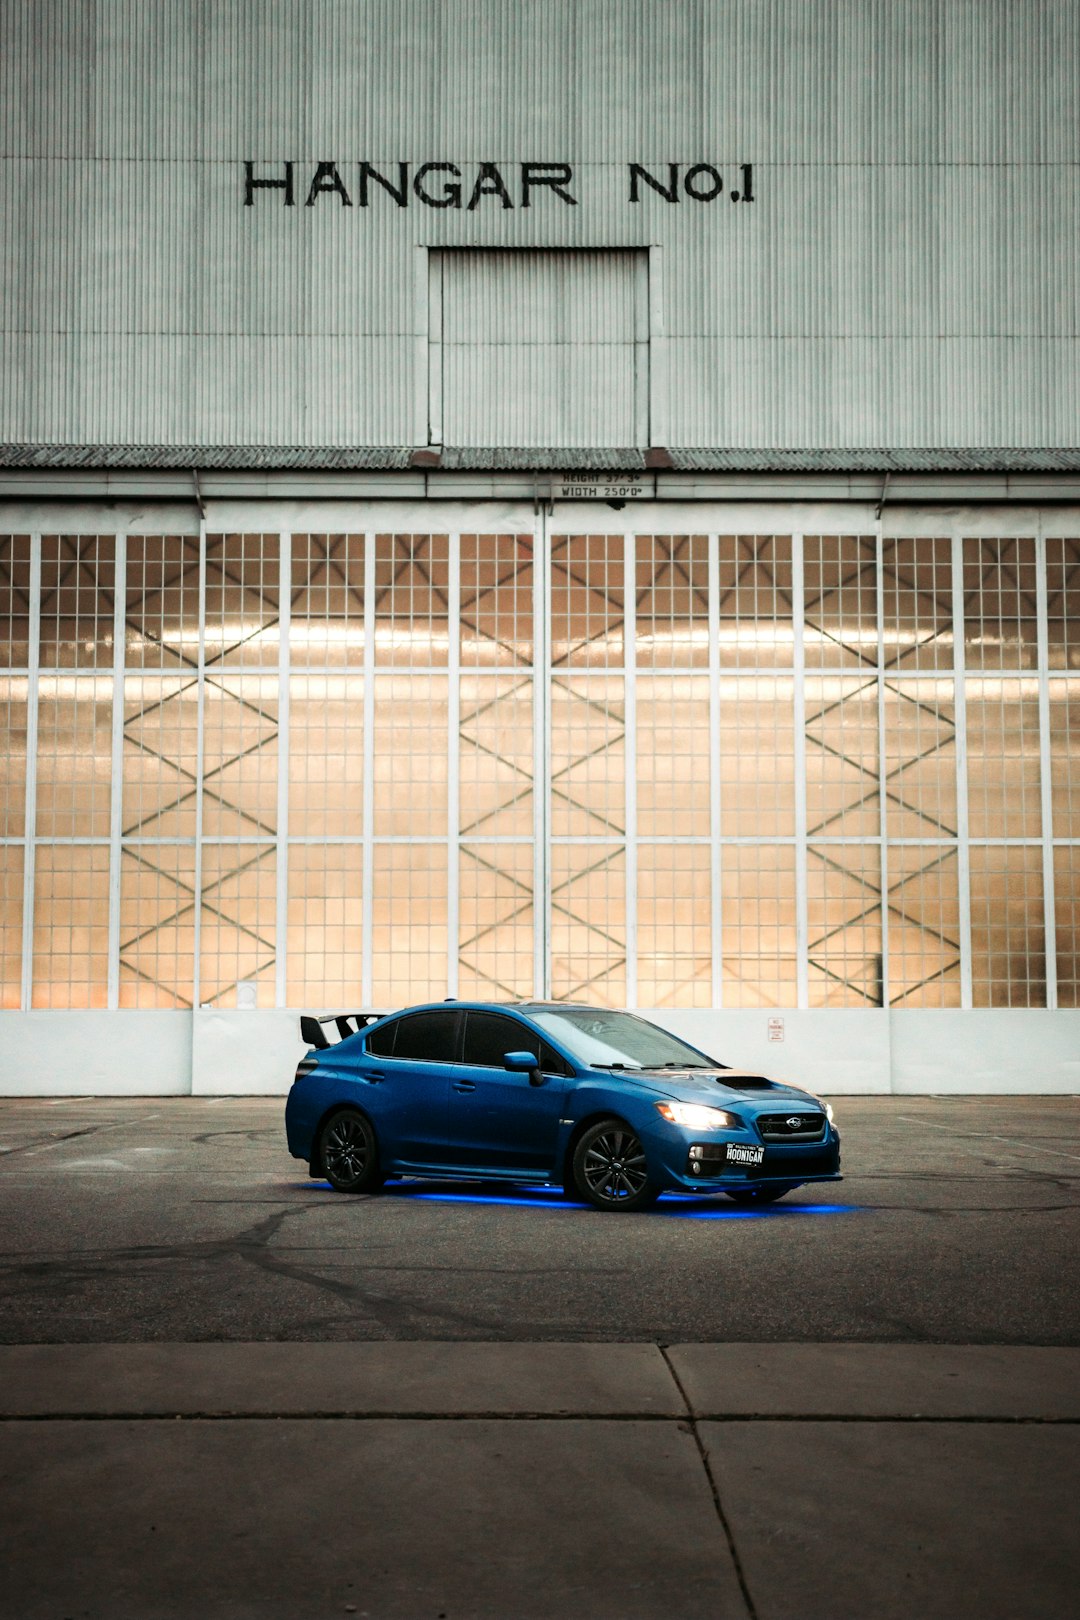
<point>669,747</point>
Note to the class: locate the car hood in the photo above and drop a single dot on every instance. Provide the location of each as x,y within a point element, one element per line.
<point>715,1086</point>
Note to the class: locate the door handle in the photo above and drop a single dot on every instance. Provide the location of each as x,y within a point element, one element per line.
<point>374,1078</point>
<point>464,1085</point>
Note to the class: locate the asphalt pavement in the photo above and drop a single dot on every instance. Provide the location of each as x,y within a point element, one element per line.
<point>185,1219</point>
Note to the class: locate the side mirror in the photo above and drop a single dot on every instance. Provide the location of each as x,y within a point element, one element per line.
<point>524,1063</point>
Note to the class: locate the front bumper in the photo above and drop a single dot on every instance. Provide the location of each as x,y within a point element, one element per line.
<point>695,1162</point>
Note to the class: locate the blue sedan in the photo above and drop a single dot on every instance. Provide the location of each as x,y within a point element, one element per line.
<point>605,1104</point>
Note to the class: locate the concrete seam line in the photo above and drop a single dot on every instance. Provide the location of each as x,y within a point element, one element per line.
<point>718,1505</point>
<point>320,1415</point>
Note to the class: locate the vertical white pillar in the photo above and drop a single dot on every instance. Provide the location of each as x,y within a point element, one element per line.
<point>963,857</point>
<point>883,813</point>
<point>1045,782</point>
<point>367,811</point>
<point>281,931</point>
<point>798,624</point>
<point>453,769</point>
<point>200,680</point>
<point>541,753</point>
<point>715,786</point>
<point>630,753</point>
<point>116,798</point>
<point>30,815</point>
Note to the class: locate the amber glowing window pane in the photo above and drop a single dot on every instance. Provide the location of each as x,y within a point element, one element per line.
<point>239,885</point>
<point>1065,755</point>
<point>242,595</point>
<point>840,601</point>
<point>674,929</point>
<point>1000,629</point>
<point>1063,602</point>
<point>1067,919</point>
<point>14,601</point>
<point>326,756</point>
<point>71,925</point>
<point>327,601</point>
<point>409,923</point>
<point>757,756</point>
<point>1008,964</point>
<point>78,579</point>
<point>754,601</point>
<point>11,916</point>
<point>920,758</point>
<point>757,885</point>
<point>917,623</point>
<point>412,600</point>
<point>672,603</point>
<point>588,757</point>
<point>843,903</point>
<point>924,926</point>
<point>842,787</point>
<point>1003,758</point>
<point>411,717</point>
<point>495,938</point>
<point>13,689</point>
<point>74,765</point>
<point>673,756</point>
<point>588,924</point>
<point>587,600</point>
<point>160,766</point>
<point>240,736</point>
<point>161,599</point>
<point>157,925</point>
<point>496,600</point>
<point>495,761</point>
<point>325,922</point>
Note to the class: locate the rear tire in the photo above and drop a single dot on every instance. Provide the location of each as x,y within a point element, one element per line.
<point>349,1153</point>
<point>757,1195</point>
<point>609,1169</point>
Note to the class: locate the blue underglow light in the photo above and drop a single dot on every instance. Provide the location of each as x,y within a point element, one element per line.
<point>675,1206</point>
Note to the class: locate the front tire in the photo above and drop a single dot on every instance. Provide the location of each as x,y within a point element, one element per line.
<point>758,1195</point>
<point>349,1153</point>
<point>609,1168</point>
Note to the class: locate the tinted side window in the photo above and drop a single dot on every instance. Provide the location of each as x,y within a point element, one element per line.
<point>550,1061</point>
<point>489,1036</point>
<point>380,1043</point>
<point>430,1037</point>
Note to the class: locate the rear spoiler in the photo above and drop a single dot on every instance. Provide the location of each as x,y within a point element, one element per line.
<point>312,1032</point>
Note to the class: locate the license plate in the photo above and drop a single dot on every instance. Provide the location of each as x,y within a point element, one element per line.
<point>743,1153</point>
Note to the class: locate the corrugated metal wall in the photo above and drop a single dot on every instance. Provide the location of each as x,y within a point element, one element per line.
<point>907,274</point>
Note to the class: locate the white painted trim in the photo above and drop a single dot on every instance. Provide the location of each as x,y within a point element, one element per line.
<point>30,811</point>
<point>963,864</point>
<point>541,753</point>
<point>116,786</point>
<point>630,861</point>
<point>453,768</point>
<point>281,919</point>
<point>883,818</point>
<point>367,788</point>
<point>1045,780</point>
<point>716,902</point>
<point>200,737</point>
<point>798,672</point>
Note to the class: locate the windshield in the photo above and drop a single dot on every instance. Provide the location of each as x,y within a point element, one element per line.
<point>618,1040</point>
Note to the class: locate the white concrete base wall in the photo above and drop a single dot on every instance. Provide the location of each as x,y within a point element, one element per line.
<point>847,1050</point>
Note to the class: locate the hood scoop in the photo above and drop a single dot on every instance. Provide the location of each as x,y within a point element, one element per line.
<point>748,1082</point>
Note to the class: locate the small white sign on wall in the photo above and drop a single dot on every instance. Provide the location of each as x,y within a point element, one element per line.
<point>776,1029</point>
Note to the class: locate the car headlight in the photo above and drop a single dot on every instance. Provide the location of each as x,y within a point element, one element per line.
<point>829,1115</point>
<point>697,1117</point>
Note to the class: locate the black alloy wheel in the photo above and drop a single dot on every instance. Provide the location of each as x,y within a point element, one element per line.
<point>610,1170</point>
<point>759,1195</point>
<point>349,1154</point>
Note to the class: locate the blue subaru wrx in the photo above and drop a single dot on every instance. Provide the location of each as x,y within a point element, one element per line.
<point>605,1104</point>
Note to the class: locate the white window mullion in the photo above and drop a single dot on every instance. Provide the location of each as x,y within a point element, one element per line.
<point>963,862</point>
<point>630,756</point>
<point>802,934</point>
<point>453,769</point>
<point>1045,780</point>
<point>116,793</point>
<point>715,846</point>
<point>196,967</point>
<point>367,823</point>
<point>30,821</point>
<point>883,815</point>
<point>281,946</point>
<point>541,754</point>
